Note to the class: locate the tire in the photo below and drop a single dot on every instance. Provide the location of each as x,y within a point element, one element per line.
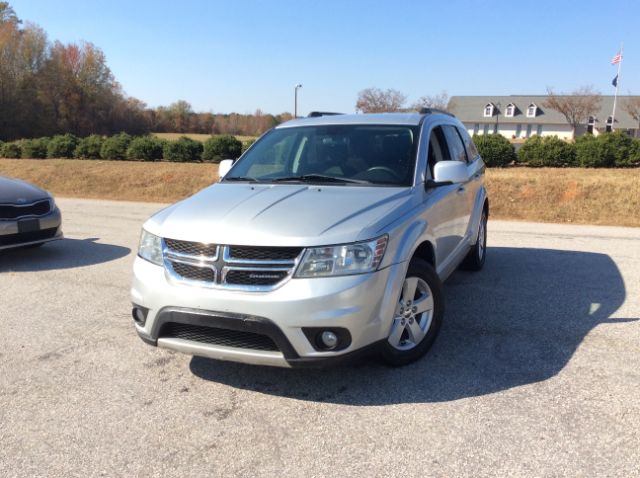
<point>474,261</point>
<point>413,332</point>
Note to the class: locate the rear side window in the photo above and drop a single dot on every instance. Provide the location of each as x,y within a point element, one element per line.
<point>456,148</point>
<point>472,152</point>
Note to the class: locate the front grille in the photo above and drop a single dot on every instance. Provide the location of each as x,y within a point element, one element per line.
<point>250,253</point>
<point>191,272</point>
<point>217,336</point>
<point>257,268</point>
<point>13,211</point>
<point>191,248</point>
<point>254,277</point>
<point>13,239</point>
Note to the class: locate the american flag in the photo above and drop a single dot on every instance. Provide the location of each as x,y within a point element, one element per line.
<point>617,59</point>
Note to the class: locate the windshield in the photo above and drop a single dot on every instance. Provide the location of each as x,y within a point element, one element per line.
<point>340,154</point>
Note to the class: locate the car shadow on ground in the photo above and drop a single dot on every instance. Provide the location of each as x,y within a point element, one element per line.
<point>62,254</point>
<point>517,322</point>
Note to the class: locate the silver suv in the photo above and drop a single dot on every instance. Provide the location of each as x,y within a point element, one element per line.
<point>331,235</point>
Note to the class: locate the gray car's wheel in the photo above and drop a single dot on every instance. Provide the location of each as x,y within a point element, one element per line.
<point>478,253</point>
<point>417,317</point>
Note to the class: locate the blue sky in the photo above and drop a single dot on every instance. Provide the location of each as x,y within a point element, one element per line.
<point>225,56</point>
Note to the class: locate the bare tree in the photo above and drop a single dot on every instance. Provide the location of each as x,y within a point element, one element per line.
<point>440,101</point>
<point>576,106</point>
<point>375,100</point>
<point>8,14</point>
<point>632,106</point>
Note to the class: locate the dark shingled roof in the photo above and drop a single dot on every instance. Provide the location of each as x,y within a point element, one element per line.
<point>470,109</point>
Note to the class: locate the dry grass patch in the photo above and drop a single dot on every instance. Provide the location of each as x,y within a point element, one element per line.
<point>587,196</point>
<point>119,180</point>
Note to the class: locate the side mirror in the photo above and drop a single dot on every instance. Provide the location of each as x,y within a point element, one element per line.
<point>224,167</point>
<point>449,172</point>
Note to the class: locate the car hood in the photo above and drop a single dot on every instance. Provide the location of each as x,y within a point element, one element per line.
<point>16,191</point>
<point>282,214</point>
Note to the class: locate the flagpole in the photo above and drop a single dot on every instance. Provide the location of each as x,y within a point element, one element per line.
<point>615,96</point>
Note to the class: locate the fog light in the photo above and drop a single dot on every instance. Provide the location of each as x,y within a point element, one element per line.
<point>139,314</point>
<point>329,339</point>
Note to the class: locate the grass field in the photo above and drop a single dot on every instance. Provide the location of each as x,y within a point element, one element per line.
<point>586,196</point>
<point>197,137</point>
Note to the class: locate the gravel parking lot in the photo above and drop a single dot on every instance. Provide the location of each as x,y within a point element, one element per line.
<point>536,372</point>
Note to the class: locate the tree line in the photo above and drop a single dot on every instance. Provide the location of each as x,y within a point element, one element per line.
<point>49,88</point>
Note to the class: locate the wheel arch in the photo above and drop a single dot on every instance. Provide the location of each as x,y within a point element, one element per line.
<point>426,252</point>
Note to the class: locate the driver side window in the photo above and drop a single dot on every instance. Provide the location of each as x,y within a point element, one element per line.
<point>438,150</point>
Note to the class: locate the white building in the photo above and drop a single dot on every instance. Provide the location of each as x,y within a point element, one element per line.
<point>520,117</point>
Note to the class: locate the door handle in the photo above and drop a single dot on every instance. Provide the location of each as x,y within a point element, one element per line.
<point>460,189</point>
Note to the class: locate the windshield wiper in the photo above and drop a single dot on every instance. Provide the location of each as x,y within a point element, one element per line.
<point>304,178</point>
<point>240,178</point>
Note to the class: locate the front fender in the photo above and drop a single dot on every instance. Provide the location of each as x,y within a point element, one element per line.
<point>411,238</point>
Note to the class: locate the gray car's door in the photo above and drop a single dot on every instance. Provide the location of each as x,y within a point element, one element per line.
<point>448,206</point>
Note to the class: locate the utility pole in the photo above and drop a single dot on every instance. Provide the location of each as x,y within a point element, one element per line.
<point>295,100</point>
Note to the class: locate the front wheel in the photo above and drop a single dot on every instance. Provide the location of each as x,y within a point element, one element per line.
<point>417,316</point>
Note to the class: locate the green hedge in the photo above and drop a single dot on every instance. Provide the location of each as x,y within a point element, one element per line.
<point>549,151</point>
<point>222,147</point>
<point>146,148</point>
<point>182,150</point>
<point>62,146</point>
<point>115,147</point>
<point>89,147</point>
<point>11,150</point>
<point>35,148</point>
<point>495,149</point>
<point>608,150</point>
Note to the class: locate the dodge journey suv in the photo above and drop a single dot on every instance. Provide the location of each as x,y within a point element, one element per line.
<point>331,235</point>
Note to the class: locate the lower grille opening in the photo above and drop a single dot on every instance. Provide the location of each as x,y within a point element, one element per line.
<point>217,336</point>
<point>41,235</point>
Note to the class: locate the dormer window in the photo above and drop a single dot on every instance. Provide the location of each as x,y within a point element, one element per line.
<point>488,110</point>
<point>510,111</point>
<point>532,111</point>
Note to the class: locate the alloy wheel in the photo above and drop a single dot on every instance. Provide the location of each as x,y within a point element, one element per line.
<point>413,315</point>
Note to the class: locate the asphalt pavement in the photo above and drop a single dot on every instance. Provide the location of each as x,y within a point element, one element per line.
<point>536,372</point>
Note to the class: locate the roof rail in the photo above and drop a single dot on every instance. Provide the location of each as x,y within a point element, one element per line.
<point>431,111</point>
<point>317,114</point>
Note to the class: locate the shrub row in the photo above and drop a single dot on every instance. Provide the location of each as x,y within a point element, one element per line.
<point>608,150</point>
<point>122,146</point>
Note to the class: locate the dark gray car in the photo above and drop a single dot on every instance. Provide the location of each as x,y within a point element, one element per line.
<point>28,215</point>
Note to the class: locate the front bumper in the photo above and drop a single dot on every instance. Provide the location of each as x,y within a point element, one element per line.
<point>362,304</point>
<point>48,229</point>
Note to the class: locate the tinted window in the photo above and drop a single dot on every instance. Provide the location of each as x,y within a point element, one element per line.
<point>472,152</point>
<point>456,148</point>
<point>376,154</point>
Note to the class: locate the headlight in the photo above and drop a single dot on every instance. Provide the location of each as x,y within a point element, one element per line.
<point>346,259</point>
<point>150,248</point>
